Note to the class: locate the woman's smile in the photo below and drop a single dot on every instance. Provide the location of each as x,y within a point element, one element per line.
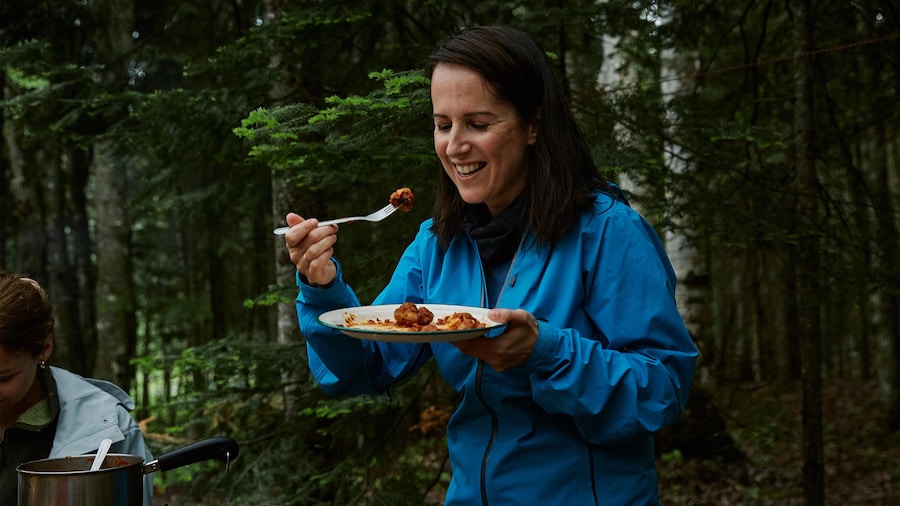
<point>470,169</point>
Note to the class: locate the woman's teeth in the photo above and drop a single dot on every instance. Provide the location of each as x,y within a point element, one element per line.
<point>469,169</point>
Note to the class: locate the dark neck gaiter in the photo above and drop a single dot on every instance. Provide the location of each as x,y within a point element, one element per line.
<point>497,237</point>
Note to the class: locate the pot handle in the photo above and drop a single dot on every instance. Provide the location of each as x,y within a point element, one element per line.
<point>216,448</point>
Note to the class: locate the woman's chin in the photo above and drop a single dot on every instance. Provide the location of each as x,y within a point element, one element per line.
<point>470,197</point>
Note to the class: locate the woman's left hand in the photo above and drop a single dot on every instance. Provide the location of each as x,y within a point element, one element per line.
<point>511,348</point>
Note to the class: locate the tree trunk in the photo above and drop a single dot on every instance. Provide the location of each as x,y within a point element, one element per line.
<point>284,197</point>
<point>28,193</point>
<point>808,270</point>
<point>64,286</point>
<point>880,154</point>
<point>116,319</point>
<point>115,297</point>
<point>691,269</point>
<point>884,301</point>
<point>85,284</point>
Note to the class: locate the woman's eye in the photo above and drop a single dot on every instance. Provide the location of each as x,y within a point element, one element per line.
<point>479,126</point>
<point>441,126</point>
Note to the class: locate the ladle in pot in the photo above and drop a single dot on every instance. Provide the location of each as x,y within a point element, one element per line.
<point>101,454</point>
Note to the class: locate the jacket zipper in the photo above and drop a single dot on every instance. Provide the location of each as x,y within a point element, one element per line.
<point>479,374</point>
<point>495,421</point>
<point>494,426</point>
<point>590,450</point>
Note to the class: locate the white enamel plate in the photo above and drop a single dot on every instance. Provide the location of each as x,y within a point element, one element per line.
<point>374,323</point>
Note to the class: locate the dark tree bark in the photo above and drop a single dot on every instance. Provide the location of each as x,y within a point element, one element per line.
<point>116,307</point>
<point>116,319</point>
<point>808,265</point>
<point>63,284</point>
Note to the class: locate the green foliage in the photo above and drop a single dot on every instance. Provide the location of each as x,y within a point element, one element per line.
<point>325,146</point>
<point>213,101</point>
<point>27,82</point>
<point>326,451</point>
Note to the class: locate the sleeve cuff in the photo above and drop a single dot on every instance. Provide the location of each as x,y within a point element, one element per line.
<point>332,293</point>
<point>542,355</point>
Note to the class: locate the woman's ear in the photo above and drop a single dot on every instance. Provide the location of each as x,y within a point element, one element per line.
<point>533,127</point>
<point>46,350</point>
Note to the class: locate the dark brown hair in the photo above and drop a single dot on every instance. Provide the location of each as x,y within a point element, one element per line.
<point>26,316</point>
<point>562,177</point>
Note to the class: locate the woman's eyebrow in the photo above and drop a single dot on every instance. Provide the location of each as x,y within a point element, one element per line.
<point>466,115</point>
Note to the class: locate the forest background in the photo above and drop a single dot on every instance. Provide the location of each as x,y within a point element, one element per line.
<point>150,147</point>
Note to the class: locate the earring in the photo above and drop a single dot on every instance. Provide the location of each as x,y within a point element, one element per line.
<point>43,365</point>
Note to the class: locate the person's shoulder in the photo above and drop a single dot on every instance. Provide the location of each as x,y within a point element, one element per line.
<point>70,384</point>
<point>426,226</point>
<point>609,203</point>
<point>426,233</point>
<point>114,390</point>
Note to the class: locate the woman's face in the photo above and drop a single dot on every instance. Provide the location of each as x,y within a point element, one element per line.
<point>18,374</point>
<point>479,138</point>
<point>19,388</point>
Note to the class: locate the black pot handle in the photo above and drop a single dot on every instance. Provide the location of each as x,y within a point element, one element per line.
<point>215,448</point>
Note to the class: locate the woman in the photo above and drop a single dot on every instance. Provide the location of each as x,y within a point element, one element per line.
<point>45,411</point>
<point>561,407</point>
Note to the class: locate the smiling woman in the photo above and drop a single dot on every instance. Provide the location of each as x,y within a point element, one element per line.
<point>479,138</point>
<point>590,356</point>
<point>45,411</point>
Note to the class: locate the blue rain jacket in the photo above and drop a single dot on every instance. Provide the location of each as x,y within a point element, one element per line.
<point>613,362</point>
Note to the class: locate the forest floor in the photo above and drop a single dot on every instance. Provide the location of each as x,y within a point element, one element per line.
<point>862,462</point>
<point>754,456</point>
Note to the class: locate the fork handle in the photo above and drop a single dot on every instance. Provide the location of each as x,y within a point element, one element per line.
<point>340,220</point>
<point>284,230</point>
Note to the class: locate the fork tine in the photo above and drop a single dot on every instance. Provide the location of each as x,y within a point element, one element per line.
<point>387,210</point>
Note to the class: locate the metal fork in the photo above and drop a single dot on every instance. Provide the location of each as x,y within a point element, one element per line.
<point>378,215</point>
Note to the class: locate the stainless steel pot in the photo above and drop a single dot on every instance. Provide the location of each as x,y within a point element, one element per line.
<point>119,481</point>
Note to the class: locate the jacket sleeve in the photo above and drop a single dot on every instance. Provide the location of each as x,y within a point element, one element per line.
<point>343,365</point>
<point>633,375</point>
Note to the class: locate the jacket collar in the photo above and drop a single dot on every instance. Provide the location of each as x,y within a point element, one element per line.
<point>87,413</point>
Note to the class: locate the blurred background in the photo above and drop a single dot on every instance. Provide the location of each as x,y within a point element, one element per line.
<point>150,147</point>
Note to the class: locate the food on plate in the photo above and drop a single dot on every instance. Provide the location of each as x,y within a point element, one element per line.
<point>460,321</point>
<point>411,318</point>
<point>409,315</point>
<point>403,199</point>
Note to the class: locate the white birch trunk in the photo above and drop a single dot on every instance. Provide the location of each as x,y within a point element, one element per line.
<point>690,268</point>
<point>616,73</point>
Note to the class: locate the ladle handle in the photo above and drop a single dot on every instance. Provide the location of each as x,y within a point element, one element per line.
<point>216,448</point>
<point>101,454</point>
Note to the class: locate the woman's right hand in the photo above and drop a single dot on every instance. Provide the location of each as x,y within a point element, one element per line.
<point>311,248</point>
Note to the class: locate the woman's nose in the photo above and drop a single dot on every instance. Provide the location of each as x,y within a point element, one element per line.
<point>456,143</point>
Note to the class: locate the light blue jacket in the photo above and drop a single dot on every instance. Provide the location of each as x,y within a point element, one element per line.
<point>613,362</point>
<point>92,410</point>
